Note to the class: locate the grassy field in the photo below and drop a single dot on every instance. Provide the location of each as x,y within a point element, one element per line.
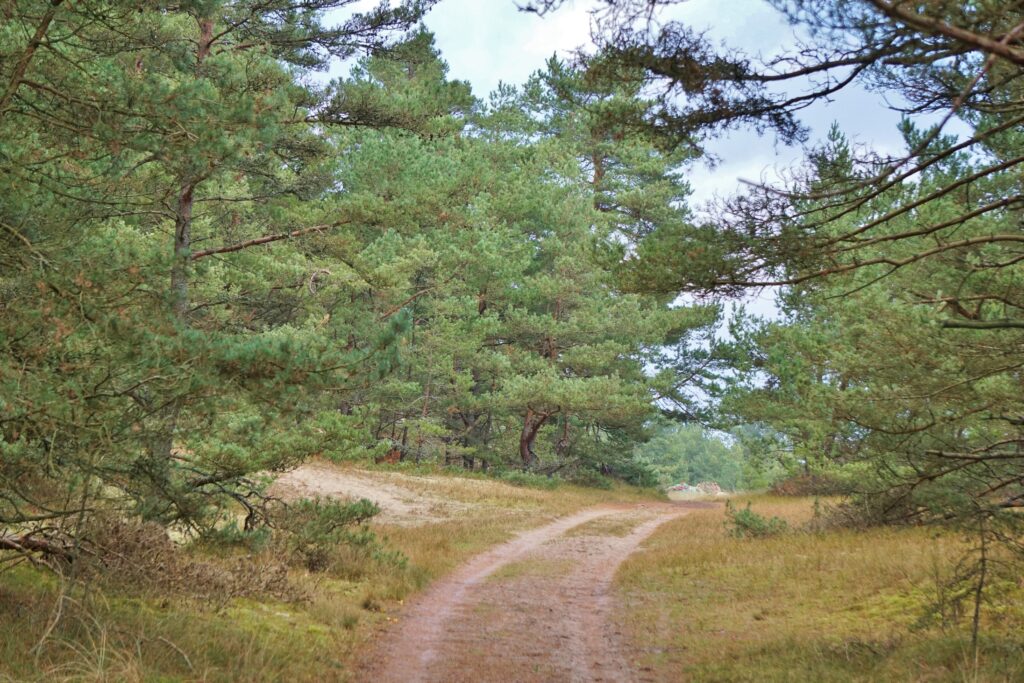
<point>831,606</point>
<point>699,603</point>
<point>132,632</point>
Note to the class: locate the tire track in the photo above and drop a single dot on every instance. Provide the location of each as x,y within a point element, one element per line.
<point>548,620</point>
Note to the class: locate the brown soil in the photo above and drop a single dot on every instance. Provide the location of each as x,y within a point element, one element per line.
<point>543,617</point>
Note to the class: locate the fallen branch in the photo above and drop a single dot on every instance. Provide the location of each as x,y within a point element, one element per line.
<point>35,544</point>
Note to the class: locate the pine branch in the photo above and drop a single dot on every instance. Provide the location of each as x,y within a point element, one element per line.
<point>936,26</point>
<point>984,324</point>
<point>266,239</point>
<point>22,65</point>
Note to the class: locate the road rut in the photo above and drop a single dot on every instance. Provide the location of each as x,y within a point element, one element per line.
<point>536,608</point>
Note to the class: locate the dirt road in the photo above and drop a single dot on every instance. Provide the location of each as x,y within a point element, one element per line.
<point>533,609</point>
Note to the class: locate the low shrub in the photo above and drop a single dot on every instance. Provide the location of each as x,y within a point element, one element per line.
<point>529,480</point>
<point>589,478</point>
<point>635,473</point>
<point>745,523</point>
<point>324,534</point>
<point>139,556</point>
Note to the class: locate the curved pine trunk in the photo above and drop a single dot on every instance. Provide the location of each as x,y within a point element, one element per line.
<point>531,425</point>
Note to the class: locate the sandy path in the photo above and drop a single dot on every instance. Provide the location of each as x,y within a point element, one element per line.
<point>399,504</point>
<point>536,608</point>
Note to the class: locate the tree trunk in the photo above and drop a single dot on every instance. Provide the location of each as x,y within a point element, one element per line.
<point>182,246</point>
<point>21,66</point>
<point>163,445</point>
<point>562,447</point>
<point>205,41</point>
<point>531,425</point>
<point>28,543</point>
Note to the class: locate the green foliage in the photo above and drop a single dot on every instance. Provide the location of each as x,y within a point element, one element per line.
<point>896,356</point>
<point>212,269</point>
<point>529,480</point>
<point>745,523</point>
<point>864,375</point>
<point>315,529</point>
<point>692,454</point>
<point>154,357</point>
<point>591,478</point>
<point>495,244</point>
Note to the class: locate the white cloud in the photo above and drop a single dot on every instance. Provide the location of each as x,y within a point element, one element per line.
<point>490,41</point>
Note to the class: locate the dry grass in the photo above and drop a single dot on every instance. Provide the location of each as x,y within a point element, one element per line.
<point>103,637</point>
<point>499,511</point>
<point>704,606</point>
<point>497,494</point>
<point>133,634</point>
<point>605,526</point>
<point>533,567</point>
<point>834,606</point>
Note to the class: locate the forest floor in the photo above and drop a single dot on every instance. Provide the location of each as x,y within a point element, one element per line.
<point>535,608</point>
<point>537,582</point>
<point>131,627</point>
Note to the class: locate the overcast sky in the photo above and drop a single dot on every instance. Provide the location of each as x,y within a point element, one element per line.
<point>489,41</point>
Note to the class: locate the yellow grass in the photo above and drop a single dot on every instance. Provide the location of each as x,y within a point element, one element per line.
<point>107,635</point>
<point>533,567</point>
<point>699,604</point>
<point>605,526</point>
<point>835,606</point>
<point>500,510</point>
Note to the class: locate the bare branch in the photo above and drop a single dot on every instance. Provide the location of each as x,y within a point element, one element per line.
<point>266,239</point>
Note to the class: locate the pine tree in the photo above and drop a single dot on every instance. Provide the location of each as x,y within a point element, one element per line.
<point>154,352</point>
